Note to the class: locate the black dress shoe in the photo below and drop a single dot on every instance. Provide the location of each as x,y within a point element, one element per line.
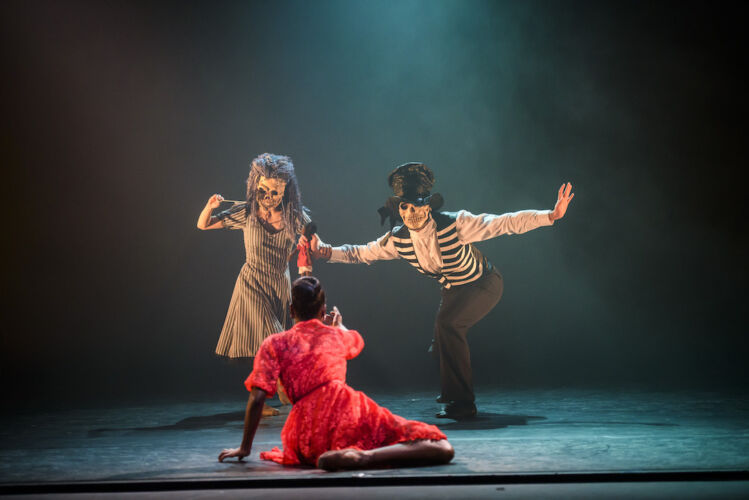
<point>458,411</point>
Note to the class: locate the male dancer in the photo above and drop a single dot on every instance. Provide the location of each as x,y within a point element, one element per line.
<point>440,245</point>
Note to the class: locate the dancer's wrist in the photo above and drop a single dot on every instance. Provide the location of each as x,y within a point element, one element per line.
<point>324,251</point>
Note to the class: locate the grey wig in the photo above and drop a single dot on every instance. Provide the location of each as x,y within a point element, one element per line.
<point>278,167</point>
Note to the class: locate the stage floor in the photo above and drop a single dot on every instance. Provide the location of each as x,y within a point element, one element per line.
<point>515,432</point>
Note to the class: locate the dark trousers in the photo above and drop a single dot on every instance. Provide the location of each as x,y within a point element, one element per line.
<point>462,307</point>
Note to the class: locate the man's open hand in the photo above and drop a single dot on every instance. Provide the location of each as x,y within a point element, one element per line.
<point>563,200</point>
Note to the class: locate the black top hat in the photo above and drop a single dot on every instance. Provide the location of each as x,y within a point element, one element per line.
<point>411,183</point>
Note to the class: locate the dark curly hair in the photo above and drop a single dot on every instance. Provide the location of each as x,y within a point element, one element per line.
<point>307,297</point>
<point>278,167</point>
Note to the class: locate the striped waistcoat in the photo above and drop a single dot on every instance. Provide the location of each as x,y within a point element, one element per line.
<point>461,264</point>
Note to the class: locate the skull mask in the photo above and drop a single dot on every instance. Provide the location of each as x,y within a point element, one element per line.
<point>414,217</point>
<point>270,192</point>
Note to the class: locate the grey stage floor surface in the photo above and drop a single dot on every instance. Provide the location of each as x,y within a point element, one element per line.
<point>515,433</point>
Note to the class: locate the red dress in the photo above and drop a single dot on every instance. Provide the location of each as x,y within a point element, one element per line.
<point>310,360</point>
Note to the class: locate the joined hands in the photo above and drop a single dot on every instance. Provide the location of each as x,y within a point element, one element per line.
<point>318,248</point>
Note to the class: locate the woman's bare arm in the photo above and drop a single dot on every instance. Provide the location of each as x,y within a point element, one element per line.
<point>252,416</point>
<point>206,219</point>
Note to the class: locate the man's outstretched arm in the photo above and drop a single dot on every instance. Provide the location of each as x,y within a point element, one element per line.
<point>380,249</point>
<point>481,227</point>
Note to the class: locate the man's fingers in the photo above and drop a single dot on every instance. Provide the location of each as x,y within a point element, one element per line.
<point>568,194</point>
<point>561,191</point>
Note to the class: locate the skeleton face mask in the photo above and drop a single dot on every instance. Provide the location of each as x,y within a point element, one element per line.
<point>270,192</point>
<point>414,217</point>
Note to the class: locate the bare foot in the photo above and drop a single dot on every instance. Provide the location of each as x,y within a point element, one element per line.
<point>269,411</point>
<point>282,393</point>
<point>349,458</point>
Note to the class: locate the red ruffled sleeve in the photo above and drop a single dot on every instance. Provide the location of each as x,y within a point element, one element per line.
<point>353,342</point>
<point>265,369</point>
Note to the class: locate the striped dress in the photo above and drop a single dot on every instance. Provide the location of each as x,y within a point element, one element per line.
<point>260,302</point>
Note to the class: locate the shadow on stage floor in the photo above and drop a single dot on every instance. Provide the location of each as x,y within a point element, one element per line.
<point>186,424</point>
<point>482,421</point>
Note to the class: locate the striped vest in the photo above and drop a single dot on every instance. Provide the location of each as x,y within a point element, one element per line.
<point>461,264</point>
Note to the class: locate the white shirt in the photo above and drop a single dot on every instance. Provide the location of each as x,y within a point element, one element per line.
<point>470,228</point>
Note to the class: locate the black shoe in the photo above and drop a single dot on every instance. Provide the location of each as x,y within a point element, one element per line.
<point>458,411</point>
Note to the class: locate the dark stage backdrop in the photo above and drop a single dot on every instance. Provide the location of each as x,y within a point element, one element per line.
<point>120,119</point>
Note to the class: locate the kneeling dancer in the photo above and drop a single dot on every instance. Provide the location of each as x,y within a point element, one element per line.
<point>440,245</point>
<point>330,425</point>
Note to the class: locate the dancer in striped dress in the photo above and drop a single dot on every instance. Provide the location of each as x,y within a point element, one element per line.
<point>272,219</point>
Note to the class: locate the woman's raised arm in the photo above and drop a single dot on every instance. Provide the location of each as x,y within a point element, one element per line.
<point>206,220</point>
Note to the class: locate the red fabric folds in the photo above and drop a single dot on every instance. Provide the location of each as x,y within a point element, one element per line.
<point>310,359</point>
